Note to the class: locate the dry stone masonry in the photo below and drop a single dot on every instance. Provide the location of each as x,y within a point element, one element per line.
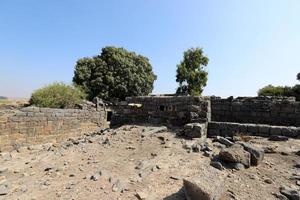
<point>176,110</point>
<point>278,111</point>
<point>31,125</point>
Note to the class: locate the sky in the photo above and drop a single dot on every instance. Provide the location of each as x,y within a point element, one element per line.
<point>250,43</point>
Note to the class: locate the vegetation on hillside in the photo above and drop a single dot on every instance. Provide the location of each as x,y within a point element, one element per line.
<point>288,91</point>
<point>57,95</point>
<point>114,74</point>
<point>191,73</point>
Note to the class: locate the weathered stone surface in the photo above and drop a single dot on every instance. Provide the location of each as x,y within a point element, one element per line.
<point>278,138</point>
<point>195,130</point>
<point>208,184</point>
<point>257,154</point>
<point>224,141</point>
<point>291,194</point>
<point>235,154</point>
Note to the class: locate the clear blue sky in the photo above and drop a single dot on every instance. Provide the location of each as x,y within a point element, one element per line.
<point>250,43</point>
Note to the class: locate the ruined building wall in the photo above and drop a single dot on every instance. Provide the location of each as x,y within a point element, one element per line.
<point>257,110</point>
<point>176,110</point>
<point>32,125</point>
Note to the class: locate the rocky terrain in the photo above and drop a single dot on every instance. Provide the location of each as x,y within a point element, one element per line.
<point>143,162</point>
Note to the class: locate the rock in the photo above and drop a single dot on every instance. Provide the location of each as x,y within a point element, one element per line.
<point>2,179</point>
<point>291,194</point>
<point>280,196</point>
<point>235,154</point>
<point>175,177</point>
<point>3,190</point>
<point>195,130</point>
<point>278,138</point>
<point>237,166</point>
<point>298,183</point>
<point>96,176</point>
<point>298,153</point>
<point>141,195</point>
<point>268,181</point>
<point>270,149</point>
<point>217,165</point>
<point>208,184</point>
<point>295,177</point>
<point>257,154</point>
<point>224,141</point>
<point>297,165</point>
<point>3,170</point>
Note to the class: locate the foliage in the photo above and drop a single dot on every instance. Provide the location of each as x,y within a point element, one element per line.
<point>191,74</point>
<point>114,74</point>
<point>57,95</point>
<point>271,90</point>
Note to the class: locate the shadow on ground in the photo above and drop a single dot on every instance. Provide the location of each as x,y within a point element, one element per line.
<point>176,196</point>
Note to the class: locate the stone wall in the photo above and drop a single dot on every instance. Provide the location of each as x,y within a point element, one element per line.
<point>176,110</point>
<point>33,125</point>
<point>257,110</point>
<point>230,129</point>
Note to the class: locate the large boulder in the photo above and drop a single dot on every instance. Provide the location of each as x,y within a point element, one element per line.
<point>195,130</point>
<point>206,184</point>
<point>257,154</point>
<point>235,154</point>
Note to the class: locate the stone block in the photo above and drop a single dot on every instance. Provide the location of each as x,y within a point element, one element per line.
<point>195,130</point>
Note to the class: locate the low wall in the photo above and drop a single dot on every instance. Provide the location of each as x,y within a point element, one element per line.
<point>257,110</point>
<point>32,125</point>
<point>176,110</point>
<point>230,129</point>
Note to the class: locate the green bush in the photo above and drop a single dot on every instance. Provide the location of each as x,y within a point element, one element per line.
<point>57,95</point>
<point>271,90</point>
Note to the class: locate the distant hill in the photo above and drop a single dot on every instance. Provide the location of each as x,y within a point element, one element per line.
<point>2,97</point>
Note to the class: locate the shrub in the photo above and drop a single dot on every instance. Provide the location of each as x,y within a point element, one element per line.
<point>57,95</point>
<point>271,90</point>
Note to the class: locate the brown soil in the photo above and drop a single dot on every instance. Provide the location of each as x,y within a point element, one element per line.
<point>131,165</point>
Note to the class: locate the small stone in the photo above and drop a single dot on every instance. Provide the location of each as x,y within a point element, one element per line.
<point>268,181</point>
<point>141,195</point>
<point>95,176</point>
<point>280,196</point>
<point>291,194</point>
<point>238,166</point>
<point>217,165</point>
<point>278,138</point>
<point>175,177</point>
<point>297,165</point>
<point>3,190</point>
<point>298,183</point>
<point>224,141</point>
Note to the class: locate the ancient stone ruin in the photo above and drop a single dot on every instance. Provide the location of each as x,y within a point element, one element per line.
<point>153,147</point>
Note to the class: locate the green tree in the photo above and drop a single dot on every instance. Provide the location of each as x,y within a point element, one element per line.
<point>57,95</point>
<point>298,76</point>
<point>191,73</point>
<point>114,74</point>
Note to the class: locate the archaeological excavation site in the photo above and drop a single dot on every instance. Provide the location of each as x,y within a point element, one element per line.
<point>153,147</point>
<point>149,100</point>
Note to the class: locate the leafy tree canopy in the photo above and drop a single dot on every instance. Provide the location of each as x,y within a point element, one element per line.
<point>298,76</point>
<point>114,74</point>
<point>191,72</point>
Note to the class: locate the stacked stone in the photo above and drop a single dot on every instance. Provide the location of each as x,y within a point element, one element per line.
<point>280,111</point>
<point>230,129</point>
<point>176,110</point>
<point>34,125</point>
